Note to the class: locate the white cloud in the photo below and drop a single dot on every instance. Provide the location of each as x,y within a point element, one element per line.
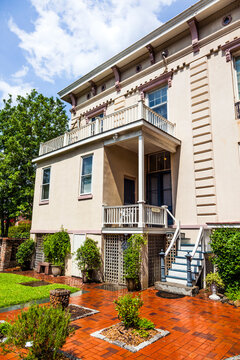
<point>14,90</point>
<point>20,73</point>
<point>72,37</point>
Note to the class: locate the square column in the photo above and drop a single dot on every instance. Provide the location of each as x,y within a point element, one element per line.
<point>141,200</point>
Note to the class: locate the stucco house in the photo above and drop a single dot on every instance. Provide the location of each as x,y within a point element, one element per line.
<point>153,148</point>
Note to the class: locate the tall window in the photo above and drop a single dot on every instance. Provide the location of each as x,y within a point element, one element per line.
<point>94,126</point>
<point>86,175</point>
<point>157,100</point>
<point>237,64</point>
<point>45,184</point>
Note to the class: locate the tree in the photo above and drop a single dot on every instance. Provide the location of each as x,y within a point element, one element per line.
<point>34,119</point>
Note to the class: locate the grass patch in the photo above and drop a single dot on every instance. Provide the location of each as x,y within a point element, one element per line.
<point>12,293</point>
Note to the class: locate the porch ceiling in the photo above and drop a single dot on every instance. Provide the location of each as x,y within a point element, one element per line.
<point>153,141</point>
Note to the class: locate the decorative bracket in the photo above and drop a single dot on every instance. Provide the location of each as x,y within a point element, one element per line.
<point>74,102</point>
<point>151,53</point>
<point>192,23</point>
<point>164,78</point>
<point>117,75</point>
<point>229,47</point>
<point>93,88</point>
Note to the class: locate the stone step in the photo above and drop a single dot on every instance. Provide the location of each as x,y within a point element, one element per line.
<point>176,288</point>
<point>182,274</point>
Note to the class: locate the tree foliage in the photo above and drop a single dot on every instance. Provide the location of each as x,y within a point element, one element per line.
<point>56,247</point>
<point>34,119</point>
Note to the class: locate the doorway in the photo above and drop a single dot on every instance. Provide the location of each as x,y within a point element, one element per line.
<point>78,240</point>
<point>129,191</point>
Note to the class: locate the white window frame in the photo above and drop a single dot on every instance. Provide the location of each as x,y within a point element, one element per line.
<point>46,168</point>
<point>159,88</point>
<point>237,91</point>
<point>81,175</point>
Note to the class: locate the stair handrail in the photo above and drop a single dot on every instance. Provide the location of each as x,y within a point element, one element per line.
<point>176,233</point>
<point>199,238</point>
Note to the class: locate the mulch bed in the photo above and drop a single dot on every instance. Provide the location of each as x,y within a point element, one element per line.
<point>35,283</point>
<point>78,312</point>
<point>129,337</point>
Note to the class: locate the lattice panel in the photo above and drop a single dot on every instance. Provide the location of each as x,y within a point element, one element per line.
<point>155,244</point>
<point>113,264</point>
<point>39,255</point>
<point>173,252</point>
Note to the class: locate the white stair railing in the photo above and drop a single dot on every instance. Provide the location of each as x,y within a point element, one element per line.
<point>176,234</point>
<point>198,241</point>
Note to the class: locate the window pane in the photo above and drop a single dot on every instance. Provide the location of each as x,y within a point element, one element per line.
<point>238,74</point>
<point>46,176</point>
<point>157,100</point>
<point>45,192</point>
<point>87,165</point>
<point>86,184</point>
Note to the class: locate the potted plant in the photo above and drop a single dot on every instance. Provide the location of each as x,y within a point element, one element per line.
<point>132,260</point>
<point>56,247</point>
<point>88,258</point>
<point>25,253</point>
<point>214,282</point>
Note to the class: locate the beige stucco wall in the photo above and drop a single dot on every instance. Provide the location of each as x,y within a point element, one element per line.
<point>64,208</point>
<point>118,163</point>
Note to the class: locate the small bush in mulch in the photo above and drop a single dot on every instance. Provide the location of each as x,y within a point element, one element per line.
<point>134,332</point>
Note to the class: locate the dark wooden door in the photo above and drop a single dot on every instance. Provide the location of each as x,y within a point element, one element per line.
<point>129,191</point>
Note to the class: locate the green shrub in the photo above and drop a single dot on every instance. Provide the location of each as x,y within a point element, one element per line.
<point>233,293</point>
<point>214,278</point>
<point>20,231</point>
<point>128,307</point>
<point>45,327</point>
<point>132,257</point>
<point>24,253</point>
<point>56,247</point>
<point>4,328</point>
<point>225,243</point>
<point>88,256</point>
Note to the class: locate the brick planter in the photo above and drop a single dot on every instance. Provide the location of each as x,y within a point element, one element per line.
<point>59,297</point>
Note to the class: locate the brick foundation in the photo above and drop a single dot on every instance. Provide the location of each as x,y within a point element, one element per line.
<point>8,249</point>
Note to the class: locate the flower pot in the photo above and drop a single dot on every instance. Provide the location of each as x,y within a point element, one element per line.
<point>214,295</point>
<point>132,284</point>
<point>56,270</point>
<point>87,276</point>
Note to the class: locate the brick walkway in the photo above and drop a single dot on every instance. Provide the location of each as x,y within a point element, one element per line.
<point>199,328</point>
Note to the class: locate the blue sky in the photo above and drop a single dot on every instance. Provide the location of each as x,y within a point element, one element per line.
<point>47,44</point>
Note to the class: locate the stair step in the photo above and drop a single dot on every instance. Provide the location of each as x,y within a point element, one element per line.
<point>172,279</point>
<point>183,260</point>
<point>198,254</point>
<point>179,266</point>
<point>186,247</point>
<point>176,288</point>
<point>182,274</point>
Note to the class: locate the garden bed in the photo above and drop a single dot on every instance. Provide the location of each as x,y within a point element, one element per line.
<point>129,339</point>
<point>78,312</point>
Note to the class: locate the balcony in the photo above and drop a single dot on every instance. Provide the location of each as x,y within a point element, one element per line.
<point>112,121</point>
<point>129,216</point>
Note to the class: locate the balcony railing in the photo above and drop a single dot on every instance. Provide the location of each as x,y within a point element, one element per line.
<point>109,122</point>
<point>128,215</point>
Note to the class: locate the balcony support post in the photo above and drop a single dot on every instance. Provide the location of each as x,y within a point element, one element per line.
<point>141,200</point>
<point>165,216</point>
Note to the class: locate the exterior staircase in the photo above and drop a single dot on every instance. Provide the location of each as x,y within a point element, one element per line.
<point>178,272</point>
<point>176,276</point>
